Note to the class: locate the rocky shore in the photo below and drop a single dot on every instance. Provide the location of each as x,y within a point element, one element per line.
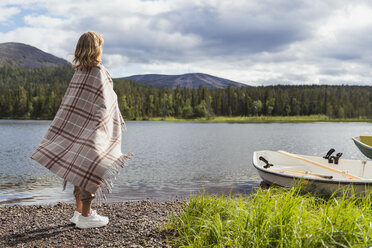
<point>132,224</point>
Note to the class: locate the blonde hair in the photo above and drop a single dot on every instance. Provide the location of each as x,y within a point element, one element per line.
<point>88,51</point>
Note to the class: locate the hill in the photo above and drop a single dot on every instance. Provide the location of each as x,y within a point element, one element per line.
<point>189,80</point>
<point>26,56</point>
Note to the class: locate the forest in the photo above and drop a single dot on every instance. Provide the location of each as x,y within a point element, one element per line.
<point>37,93</point>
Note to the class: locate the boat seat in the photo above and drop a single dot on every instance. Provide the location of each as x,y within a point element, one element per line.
<point>366,140</point>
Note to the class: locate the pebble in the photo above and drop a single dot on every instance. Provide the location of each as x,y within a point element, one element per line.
<point>132,224</point>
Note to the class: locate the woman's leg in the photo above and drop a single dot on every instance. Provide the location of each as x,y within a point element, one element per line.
<point>87,219</point>
<point>79,203</point>
<point>86,199</point>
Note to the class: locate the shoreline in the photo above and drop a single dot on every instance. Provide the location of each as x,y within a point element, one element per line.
<point>240,188</point>
<point>239,119</point>
<point>132,224</point>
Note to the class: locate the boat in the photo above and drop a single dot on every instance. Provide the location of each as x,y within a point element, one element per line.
<point>364,143</point>
<point>326,174</point>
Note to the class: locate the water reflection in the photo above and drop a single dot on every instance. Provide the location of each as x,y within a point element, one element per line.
<point>27,182</point>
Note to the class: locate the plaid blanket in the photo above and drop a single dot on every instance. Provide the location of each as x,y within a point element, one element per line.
<point>83,143</point>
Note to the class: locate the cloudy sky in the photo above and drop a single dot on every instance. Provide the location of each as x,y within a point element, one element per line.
<point>257,42</point>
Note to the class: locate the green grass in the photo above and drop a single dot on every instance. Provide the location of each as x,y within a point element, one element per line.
<point>310,118</point>
<point>275,217</point>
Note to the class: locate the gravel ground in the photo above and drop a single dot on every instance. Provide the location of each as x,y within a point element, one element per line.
<point>132,224</point>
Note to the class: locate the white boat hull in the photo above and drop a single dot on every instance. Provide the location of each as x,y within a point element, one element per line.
<point>314,183</point>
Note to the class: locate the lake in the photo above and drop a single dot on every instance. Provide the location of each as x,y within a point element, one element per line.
<point>172,159</point>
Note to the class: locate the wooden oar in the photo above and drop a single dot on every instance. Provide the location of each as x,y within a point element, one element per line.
<point>319,165</point>
<point>302,173</point>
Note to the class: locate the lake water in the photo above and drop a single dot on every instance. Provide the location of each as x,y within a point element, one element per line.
<point>171,159</point>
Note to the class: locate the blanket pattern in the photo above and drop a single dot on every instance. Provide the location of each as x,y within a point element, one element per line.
<point>83,142</point>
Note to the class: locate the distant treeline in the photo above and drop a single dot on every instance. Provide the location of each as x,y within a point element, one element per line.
<point>37,93</point>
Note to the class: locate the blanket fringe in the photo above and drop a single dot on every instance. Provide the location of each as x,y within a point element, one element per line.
<point>64,185</point>
<point>123,126</point>
<point>109,176</point>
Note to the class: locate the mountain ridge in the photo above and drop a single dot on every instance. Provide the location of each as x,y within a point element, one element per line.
<point>20,55</point>
<point>188,80</point>
<point>26,56</point>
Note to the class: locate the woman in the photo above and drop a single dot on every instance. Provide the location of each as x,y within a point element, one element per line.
<point>83,143</point>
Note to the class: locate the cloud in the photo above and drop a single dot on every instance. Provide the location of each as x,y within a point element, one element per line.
<point>256,42</point>
<point>236,30</point>
<point>6,13</point>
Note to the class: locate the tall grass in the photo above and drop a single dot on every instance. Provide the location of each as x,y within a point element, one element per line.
<point>275,217</point>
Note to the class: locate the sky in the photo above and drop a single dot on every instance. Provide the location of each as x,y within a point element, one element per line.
<point>256,42</point>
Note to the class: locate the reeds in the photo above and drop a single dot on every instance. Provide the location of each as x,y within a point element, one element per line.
<point>275,217</point>
<point>264,119</point>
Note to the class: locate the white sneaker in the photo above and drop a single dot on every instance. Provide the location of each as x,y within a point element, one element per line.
<point>93,220</point>
<point>76,215</point>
